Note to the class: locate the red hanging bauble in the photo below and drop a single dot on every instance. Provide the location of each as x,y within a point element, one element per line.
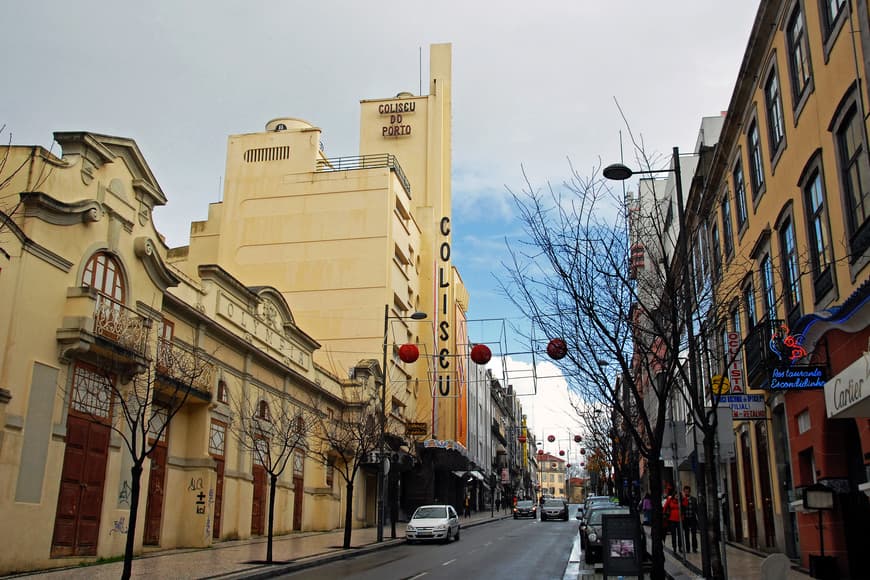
<point>577,438</point>
<point>582,451</point>
<point>409,353</point>
<point>540,451</point>
<point>582,464</point>
<point>567,465</point>
<point>521,438</point>
<point>557,349</point>
<point>562,452</point>
<point>481,354</point>
<point>551,438</point>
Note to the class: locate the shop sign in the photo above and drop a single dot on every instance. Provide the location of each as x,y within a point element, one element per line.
<point>745,407</point>
<point>735,368</point>
<point>505,476</point>
<point>848,394</point>
<point>416,429</point>
<point>797,377</point>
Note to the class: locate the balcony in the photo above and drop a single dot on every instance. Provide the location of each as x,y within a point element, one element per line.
<point>366,162</point>
<point>103,330</point>
<point>183,369</point>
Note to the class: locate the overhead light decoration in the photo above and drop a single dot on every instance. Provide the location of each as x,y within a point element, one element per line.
<point>409,353</point>
<point>582,451</point>
<point>562,452</point>
<point>481,354</point>
<point>577,438</point>
<point>521,438</point>
<point>557,349</point>
<point>551,438</point>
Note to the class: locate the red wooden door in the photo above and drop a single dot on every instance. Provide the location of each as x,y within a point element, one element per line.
<point>298,495</point>
<point>156,484</point>
<point>258,507</point>
<point>735,502</point>
<point>218,498</point>
<point>80,499</point>
<point>749,490</point>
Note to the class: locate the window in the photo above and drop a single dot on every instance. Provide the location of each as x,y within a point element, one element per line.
<point>735,322</point>
<point>756,167</point>
<point>831,11</point>
<point>298,464</point>
<point>217,438</point>
<point>263,411</point>
<point>819,234</point>
<point>767,292</point>
<point>773,104</point>
<point>222,394</point>
<point>803,421</point>
<point>791,281</point>
<point>855,172</point>
<point>798,55</point>
<point>716,251</point>
<point>727,235</point>
<point>103,273</point>
<point>91,391</point>
<point>330,472</point>
<point>740,195</point>
<point>749,305</point>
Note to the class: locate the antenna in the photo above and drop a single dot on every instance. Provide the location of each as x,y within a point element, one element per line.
<point>220,187</point>
<point>420,67</point>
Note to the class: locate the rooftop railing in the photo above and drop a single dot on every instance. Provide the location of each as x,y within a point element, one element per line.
<point>366,162</point>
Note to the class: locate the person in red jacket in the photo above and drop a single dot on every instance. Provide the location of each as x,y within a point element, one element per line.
<point>671,512</point>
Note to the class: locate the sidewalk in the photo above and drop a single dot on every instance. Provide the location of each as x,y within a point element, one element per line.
<point>243,558</point>
<point>741,563</point>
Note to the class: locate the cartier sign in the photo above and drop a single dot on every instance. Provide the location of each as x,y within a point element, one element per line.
<point>848,394</point>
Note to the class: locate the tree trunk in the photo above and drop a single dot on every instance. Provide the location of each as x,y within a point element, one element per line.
<point>273,481</point>
<point>348,515</point>
<point>136,486</point>
<point>657,521</point>
<point>714,536</point>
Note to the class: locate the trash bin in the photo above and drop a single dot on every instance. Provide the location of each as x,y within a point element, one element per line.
<point>823,567</point>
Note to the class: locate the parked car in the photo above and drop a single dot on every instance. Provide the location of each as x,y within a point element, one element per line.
<point>593,528</point>
<point>433,522</point>
<point>525,508</point>
<point>554,509</point>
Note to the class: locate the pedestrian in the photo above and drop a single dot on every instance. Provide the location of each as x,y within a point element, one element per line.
<point>497,504</point>
<point>690,518</point>
<point>467,511</point>
<point>646,508</point>
<point>671,512</point>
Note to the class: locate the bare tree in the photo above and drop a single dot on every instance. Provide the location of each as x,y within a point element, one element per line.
<point>349,436</point>
<point>272,428</point>
<point>138,398</point>
<point>573,273</point>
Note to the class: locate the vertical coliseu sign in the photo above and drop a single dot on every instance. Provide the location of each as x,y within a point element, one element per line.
<point>443,380</point>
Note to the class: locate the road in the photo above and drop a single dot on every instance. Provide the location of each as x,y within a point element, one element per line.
<point>510,549</point>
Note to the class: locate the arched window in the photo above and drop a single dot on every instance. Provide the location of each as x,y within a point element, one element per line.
<point>103,273</point>
<point>263,411</point>
<point>300,426</point>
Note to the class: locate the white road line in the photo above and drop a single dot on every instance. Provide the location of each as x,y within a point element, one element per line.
<point>420,575</point>
<point>448,562</point>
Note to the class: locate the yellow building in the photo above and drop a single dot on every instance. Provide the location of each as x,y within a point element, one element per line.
<point>788,191</point>
<point>357,245</point>
<point>552,474</point>
<point>92,310</point>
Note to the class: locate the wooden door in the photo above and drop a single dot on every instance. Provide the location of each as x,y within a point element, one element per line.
<point>735,502</point>
<point>218,497</point>
<point>298,495</point>
<point>156,484</point>
<point>258,507</point>
<point>80,499</point>
<point>764,477</point>
<point>749,490</point>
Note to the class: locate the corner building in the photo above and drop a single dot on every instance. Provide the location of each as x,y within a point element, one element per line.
<point>357,244</point>
<point>788,243</point>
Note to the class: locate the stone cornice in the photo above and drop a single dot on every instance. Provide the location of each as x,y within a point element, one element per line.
<point>157,270</point>
<point>46,208</point>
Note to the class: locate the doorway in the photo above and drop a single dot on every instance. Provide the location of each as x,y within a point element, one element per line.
<point>258,505</point>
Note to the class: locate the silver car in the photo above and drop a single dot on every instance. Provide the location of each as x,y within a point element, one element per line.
<point>433,522</point>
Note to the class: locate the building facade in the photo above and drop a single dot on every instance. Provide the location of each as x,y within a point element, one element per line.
<point>787,244</point>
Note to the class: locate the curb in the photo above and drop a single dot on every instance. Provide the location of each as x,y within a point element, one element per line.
<point>267,571</point>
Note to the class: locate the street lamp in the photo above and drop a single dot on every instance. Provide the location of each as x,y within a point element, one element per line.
<point>381,438</point>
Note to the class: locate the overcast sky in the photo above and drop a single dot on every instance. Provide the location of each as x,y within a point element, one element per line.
<point>534,84</point>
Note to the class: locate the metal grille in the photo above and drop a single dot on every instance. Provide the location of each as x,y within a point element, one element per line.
<point>366,162</point>
<point>217,438</point>
<point>92,392</point>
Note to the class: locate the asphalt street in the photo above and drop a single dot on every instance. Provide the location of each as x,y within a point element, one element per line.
<point>509,548</point>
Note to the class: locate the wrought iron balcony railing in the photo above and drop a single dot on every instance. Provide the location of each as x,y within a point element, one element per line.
<point>184,366</point>
<point>121,325</point>
<point>366,162</point>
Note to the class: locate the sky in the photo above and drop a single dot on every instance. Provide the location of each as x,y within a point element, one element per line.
<point>535,86</point>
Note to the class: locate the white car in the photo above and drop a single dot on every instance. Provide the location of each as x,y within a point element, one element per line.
<point>433,522</point>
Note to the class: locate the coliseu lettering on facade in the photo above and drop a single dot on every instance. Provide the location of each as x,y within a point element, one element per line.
<point>396,111</point>
<point>444,325</point>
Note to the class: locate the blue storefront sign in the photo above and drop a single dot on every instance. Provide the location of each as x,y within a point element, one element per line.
<point>798,377</point>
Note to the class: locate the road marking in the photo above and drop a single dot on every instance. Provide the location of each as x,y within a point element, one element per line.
<point>448,562</point>
<point>420,575</point>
